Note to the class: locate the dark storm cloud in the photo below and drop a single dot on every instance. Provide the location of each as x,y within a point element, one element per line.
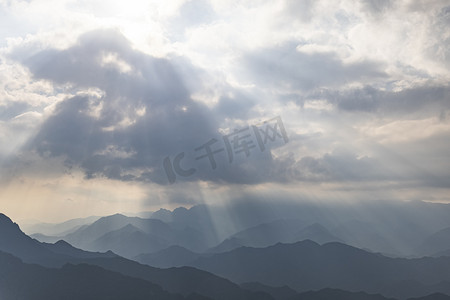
<point>144,114</point>
<point>286,67</point>
<point>70,131</point>
<point>84,66</point>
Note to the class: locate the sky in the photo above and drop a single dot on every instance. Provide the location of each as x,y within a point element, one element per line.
<point>128,106</point>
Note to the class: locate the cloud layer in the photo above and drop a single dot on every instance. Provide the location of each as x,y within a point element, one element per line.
<point>361,89</point>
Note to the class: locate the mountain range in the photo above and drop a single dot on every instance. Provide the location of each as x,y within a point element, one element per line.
<point>307,265</point>
<point>25,282</point>
<point>74,263</point>
<point>397,230</point>
<point>195,254</point>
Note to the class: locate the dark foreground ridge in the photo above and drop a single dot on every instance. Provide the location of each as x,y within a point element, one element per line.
<point>32,270</point>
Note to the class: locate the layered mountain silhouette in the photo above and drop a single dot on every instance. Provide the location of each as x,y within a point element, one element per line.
<point>13,240</point>
<point>105,267</point>
<point>284,231</point>
<point>278,293</point>
<point>248,251</point>
<point>57,229</point>
<point>174,256</point>
<point>32,282</point>
<point>259,236</point>
<point>307,266</point>
<point>336,294</point>
<point>22,281</point>
<point>394,229</point>
<point>131,236</point>
<point>286,293</point>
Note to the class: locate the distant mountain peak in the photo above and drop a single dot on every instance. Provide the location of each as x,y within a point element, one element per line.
<point>4,219</point>
<point>118,215</point>
<point>130,228</point>
<point>2,215</point>
<point>180,209</point>
<point>62,243</point>
<point>7,223</point>
<point>306,242</point>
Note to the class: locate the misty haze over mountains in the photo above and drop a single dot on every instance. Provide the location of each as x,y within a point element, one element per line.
<point>403,229</point>
<point>287,251</point>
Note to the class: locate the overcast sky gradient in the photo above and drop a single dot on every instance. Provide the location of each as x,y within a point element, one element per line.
<point>94,95</point>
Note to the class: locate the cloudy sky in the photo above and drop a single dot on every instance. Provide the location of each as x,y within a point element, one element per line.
<point>127,106</point>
